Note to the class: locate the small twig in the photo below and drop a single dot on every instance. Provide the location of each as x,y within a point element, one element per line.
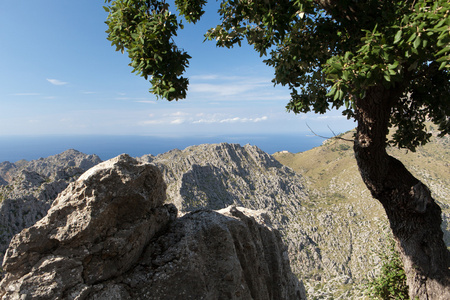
<point>333,137</point>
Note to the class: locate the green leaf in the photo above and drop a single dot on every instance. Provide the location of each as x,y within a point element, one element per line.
<point>332,91</point>
<point>336,95</point>
<point>341,94</point>
<point>398,36</point>
<point>412,37</point>
<point>345,75</point>
<point>417,42</point>
<point>336,66</point>
<point>442,51</point>
<point>393,66</point>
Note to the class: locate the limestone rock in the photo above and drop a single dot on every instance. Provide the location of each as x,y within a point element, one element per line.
<point>109,235</point>
<point>228,254</point>
<point>27,189</point>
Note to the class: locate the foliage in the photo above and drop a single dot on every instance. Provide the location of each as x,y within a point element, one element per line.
<point>391,282</point>
<point>145,29</point>
<point>328,52</point>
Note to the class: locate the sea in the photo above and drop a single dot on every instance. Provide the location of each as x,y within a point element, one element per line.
<point>14,148</point>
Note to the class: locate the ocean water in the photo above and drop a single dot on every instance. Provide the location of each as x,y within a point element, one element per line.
<point>14,148</point>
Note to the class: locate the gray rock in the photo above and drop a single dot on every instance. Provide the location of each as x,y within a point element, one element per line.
<point>109,235</point>
<point>27,189</point>
<point>227,254</point>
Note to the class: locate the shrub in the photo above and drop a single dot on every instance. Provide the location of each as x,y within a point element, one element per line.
<point>391,282</point>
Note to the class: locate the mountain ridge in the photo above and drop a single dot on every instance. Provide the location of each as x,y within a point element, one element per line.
<point>332,231</point>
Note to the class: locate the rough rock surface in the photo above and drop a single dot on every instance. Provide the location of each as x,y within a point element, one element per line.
<point>109,235</point>
<point>27,189</point>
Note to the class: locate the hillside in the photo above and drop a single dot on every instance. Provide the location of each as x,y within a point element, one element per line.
<point>334,183</point>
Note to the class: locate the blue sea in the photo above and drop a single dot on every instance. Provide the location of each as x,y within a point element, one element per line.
<point>14,148</point>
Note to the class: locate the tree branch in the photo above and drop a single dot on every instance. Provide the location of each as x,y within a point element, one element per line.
<point>333,137</point>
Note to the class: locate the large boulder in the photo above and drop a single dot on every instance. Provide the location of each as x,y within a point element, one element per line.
<point>28,188</point>
<point>109,235</point>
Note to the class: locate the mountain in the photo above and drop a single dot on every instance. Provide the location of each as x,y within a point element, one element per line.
<point>110,235</point>
<point>335,183</point>
<point>334,231</point>
<point>332,172</point>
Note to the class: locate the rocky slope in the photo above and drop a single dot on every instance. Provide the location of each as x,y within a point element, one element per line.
<point>109,235</point>
<point>333,229</point>
<point>336,186</point>
<point>27,189</point>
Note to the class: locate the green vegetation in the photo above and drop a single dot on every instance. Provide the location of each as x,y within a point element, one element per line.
<point>391,282</point>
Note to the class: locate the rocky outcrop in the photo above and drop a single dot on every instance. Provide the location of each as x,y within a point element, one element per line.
<point>334,231</point>
<point>27,189</point>
<point>218,175</point>
<point>109,235</point>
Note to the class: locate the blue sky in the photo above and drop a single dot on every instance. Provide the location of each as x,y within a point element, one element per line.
<point>60,76</point>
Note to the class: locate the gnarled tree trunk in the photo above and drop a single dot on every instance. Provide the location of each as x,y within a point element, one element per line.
<point>414,216</point>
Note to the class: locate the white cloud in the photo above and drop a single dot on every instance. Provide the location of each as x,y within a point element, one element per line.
<point>151,122</point>
<point>235,88</point>
<point>56,82</point>
<point>205,77</point>
<point>330,117</point>
<point>177,121</point>
<point>179,114</point>
<point>222,89</point>
<point>214,119</point>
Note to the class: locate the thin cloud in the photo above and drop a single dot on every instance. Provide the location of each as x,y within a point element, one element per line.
<point>177,121</point>
<point>222,89</point>
<point>231,120</point>
<point>205,77</point>
<point>178,114</point>
<point>331,117</point>
<point>56,81</point>
<point>218,87</point>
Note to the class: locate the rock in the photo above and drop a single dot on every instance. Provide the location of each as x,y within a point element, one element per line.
<point>227,254</point>
<point>109,235</point>
<point>27,189</point>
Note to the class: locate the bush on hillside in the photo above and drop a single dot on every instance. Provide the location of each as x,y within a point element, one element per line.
<point>391,282</point>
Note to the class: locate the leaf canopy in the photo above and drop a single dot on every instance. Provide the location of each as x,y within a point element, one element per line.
<point>327,52</point>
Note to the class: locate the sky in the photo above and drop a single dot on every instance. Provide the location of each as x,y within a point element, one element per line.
<point>59,75</point>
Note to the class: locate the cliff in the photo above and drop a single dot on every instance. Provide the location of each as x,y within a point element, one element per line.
<point>110,235</point>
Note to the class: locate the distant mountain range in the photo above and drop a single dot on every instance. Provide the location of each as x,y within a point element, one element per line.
<point>334,230</point>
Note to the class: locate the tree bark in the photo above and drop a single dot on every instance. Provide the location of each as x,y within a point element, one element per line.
<point>414,216</point>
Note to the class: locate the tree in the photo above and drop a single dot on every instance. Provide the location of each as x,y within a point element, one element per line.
<point>385,62</point>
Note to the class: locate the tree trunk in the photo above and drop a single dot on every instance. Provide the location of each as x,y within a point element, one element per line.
<point>414,216</point>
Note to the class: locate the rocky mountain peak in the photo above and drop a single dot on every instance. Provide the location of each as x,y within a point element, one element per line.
<point>218,175</point>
